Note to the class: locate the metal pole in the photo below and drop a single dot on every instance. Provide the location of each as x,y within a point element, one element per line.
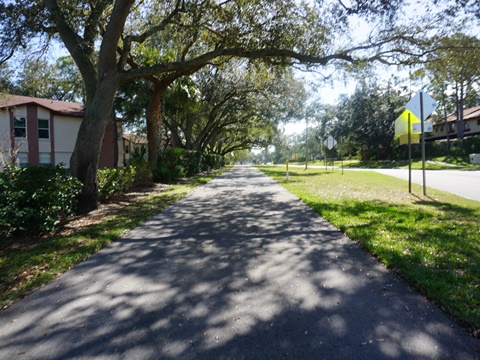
<point>409,155</point>
<point>306,143</point>
<point>325,150</point>
<point>423,145</point>
<point>447,133</point>
<point>341,151</point>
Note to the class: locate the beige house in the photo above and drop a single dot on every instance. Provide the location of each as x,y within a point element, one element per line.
<point>43,132</point>
<point>131,143</point>
<point>471,118</point>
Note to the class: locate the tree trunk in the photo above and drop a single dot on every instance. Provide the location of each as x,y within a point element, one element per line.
<point>189,120</point>
<point>85,156</point>
<point>154,123</point>
<point>461,123</point>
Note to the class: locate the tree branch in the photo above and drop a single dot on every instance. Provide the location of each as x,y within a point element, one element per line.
<point>127,41</point>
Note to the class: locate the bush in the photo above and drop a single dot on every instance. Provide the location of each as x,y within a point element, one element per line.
<point>143,169</point>
<point>143,174</point>
<point>212,161</point>
<point>191,160</point>
<point>35,199</point>
<point>169,167</point>
<point>176,163</point>
<point>458,148</point>
<point>113,182</point>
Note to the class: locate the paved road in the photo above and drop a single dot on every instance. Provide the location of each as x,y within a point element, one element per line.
<point>238,269</point>
<point>463,183</point>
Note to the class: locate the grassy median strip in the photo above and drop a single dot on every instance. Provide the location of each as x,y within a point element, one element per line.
<point>433,242</point>
<point>27,264</point>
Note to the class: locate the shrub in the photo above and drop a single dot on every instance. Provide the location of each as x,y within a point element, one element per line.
<point>191,161</point>
<point>143,169</point>
<point>143,174</point>
<point>169,166</point>
<point>212,161</point>
<point>176,163</point>
<point>35,199</point>
<point>112,182</point>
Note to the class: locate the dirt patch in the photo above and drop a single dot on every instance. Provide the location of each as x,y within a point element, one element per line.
<point>80,222</point>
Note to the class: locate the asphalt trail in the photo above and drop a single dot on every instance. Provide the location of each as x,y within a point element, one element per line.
<point>238,269</point>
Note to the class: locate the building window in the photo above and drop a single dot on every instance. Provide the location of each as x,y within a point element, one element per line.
<point>43,129</point>
<point>20,127</point>
<point>451,128</point>
<point>44,159</point>
<point>478,122</point>
<point>467,126</point>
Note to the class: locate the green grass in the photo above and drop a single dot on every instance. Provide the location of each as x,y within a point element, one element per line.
<point>431,164</point>
<point>432,242</point>
<point>25,267</point>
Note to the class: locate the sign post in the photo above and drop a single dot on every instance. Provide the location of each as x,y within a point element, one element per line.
<point>409,154</point>
<point>422,105</point>
<point>341,151</point>
<point>330,143</point>
<point>286,161</point>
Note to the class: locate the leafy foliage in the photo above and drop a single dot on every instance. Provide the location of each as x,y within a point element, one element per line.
<point>35,199</point>
<point>112,182</point>
<point>365,121</point>
<point>176,163</point>
<point>232,107</point>
<point>143,169</point>
<point>212,161</point>
<point>169,165</point>
<point>170,39</point>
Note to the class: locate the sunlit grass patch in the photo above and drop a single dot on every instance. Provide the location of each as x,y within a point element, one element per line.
<point>433,242</point>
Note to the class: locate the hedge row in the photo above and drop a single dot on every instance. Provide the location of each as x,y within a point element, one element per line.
<point>35,199</point>
<point>177,163</point>
<point>458,148</point>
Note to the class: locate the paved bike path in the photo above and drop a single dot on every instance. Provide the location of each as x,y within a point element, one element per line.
<point>238,269</point>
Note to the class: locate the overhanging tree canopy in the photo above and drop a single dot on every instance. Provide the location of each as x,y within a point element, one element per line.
<point>233,107</point>
<point>189,34</point>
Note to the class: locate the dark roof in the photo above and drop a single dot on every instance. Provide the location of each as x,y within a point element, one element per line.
<point>59,107</point>
<point>468,114</point>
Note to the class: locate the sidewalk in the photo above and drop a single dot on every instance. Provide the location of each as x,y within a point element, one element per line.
<point>238,269</point>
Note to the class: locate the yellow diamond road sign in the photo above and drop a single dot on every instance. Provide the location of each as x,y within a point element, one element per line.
<point>401,128</point>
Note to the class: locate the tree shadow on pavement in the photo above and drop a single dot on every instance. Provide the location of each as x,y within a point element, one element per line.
<point>239,269</point>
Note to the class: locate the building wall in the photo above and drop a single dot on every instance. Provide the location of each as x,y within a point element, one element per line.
<point>107,153</point>
<point>62,135</point>
<point>20,144</point>
<point>126,148</point>
<point>4,137</point>
<point>45,146</point>
<point>66,129</point>
<point>474,125</point>
<point>440,129</point>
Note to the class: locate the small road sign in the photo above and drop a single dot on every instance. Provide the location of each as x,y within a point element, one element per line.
<point>429,104</point>
<point>427,125</point>
<point>330,142</point>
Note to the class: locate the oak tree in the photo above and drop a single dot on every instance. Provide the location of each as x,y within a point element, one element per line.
<point>102,37</point>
